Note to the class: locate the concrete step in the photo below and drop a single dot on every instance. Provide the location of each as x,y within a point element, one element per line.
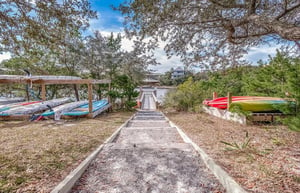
<point>148,123</point>
<point>159,146</point>
<point>152,128</point>
<point>149,118</point>
<point>149,135</point>
<point>149,114</point>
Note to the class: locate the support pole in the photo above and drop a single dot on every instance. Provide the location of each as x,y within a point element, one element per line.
<point>109,87</point>
<point>109,99</point>
<point>27,92</point>
<point>43,92</point>
<point>229,100</point>
<point>215,95</point>
<point>76,92</point>
<point>90,92</point>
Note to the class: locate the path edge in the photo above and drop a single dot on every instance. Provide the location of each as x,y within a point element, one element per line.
<point>66,185</point>
<point>225,179</point>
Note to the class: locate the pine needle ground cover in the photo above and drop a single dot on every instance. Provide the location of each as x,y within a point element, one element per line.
<point>261,158</point>
<point>36,156</point>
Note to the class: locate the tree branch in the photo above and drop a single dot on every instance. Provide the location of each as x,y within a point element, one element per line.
<point>232,5</point>
<point>287,11</point>
<point>252,7</point>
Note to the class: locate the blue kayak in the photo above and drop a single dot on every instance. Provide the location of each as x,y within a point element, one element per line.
<point>59,110</point>
<point>84,109</point>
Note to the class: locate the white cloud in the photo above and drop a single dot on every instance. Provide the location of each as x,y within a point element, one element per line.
<point>165,63</point>
<point>5,56</point>
<point>160,55</point>
<point>261,53</point>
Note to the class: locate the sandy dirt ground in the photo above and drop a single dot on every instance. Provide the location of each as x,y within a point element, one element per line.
<point>36,156</point>
<point>270,162</point>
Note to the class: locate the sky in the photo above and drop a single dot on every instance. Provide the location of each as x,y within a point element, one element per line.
<point>111,21</point>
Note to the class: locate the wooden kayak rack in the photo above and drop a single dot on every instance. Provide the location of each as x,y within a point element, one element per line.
<point>265,117</point>
<point>44,80</point>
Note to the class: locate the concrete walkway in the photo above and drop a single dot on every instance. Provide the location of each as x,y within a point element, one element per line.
<point>148,102</point>
<point>148,156</point>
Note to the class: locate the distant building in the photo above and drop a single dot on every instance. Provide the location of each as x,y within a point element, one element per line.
<point>177,73</point>
<point>152,78</point>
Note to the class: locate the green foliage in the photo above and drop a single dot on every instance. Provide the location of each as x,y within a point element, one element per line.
<point>235,146</point>
<point>236,108</point>
<point>188,95</point>
<point>280,77</point>
<point>293,123</point>
<point>124,88</point>
<point>166,79</point>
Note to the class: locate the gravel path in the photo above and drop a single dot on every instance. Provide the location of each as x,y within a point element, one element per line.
<point>148,156</point>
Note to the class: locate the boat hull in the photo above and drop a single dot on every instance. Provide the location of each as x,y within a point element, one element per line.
<point>15,105</point>
<point>59,110</point>
<point>84,109</point>
<point>249,103</point>
<point>259,106</point>
<point>33,108</point>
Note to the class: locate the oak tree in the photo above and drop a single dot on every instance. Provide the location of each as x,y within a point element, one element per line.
<point>212,32</point>
<point>27,25</point>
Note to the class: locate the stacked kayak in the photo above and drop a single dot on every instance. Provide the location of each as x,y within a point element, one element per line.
<point>4,101</point>
<point>221,102</point>
<point>249,103</point>
<point>84,109</point>
<point>59,110</point>
<point>34,107</point>
<point>14,105</point>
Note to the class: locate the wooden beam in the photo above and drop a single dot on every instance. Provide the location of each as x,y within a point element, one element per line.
<point>43,92</point>
<point>105,81</point>
<point>90,94</point>
<point>40,80</point>
<point>47,82</point>
<point>229,100</point>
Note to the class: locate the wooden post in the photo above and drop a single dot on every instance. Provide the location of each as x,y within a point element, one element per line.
<point>215,95</point>
<point>229,100</point>
<point>110,109</point>
<point>76,92</point>
<point>109,87</point>
<point>27,92</point>
<point>90,94</point>
<point>43,92</point>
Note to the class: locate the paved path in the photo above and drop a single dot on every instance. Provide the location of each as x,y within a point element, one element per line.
<point>148,156</point>
<point>148,102</point>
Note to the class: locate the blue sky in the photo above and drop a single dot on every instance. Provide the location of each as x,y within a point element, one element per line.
<point>108,19</point>
<point>111,21</point>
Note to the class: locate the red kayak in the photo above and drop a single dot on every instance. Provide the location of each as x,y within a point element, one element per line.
<point>14,105</point>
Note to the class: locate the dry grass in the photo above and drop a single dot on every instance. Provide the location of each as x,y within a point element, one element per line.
<point>35,156</point>
<point>269,163</point>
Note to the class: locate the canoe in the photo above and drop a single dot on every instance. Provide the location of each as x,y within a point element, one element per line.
<point>84,109</point>
<point>4,101</point>
<point>34,108</point>
<point>248,103</point>
<point>59,110</point>
<point>221,102</point>
<point>259,105</point>
<point>14,105</point>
